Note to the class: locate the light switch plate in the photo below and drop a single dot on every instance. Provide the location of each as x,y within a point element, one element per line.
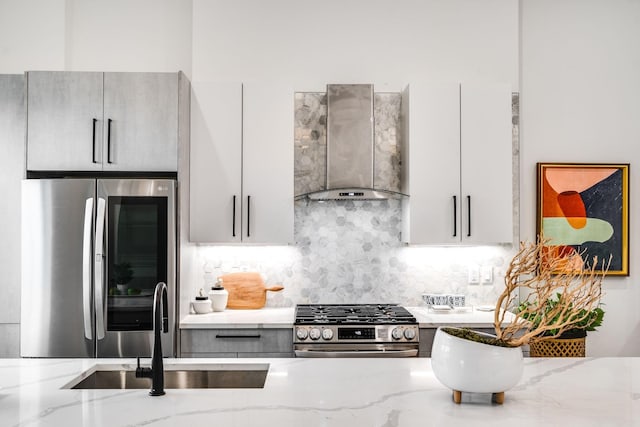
<point>474,274</point>
<point>486,274</point>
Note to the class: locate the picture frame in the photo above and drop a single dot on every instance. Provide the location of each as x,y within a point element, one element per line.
<point>583,210</point>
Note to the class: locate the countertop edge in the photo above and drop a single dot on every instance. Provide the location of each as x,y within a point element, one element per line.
<point>283,318</point>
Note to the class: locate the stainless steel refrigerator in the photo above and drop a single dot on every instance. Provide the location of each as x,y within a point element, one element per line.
<point>93,250</point>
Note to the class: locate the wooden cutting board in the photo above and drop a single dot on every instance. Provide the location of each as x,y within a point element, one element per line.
<point>247,290</point>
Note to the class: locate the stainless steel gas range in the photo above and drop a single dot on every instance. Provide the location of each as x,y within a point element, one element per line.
<point>354,330</point>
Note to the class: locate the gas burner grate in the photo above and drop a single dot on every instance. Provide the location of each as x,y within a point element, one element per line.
<point>353,314</point>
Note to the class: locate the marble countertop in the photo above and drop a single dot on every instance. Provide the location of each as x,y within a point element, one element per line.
<point>467,317</point>
<point>283,318</point>
<point>262,318</point>
<point>328,392</point>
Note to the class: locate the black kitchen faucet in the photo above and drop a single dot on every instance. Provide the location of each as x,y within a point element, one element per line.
<point>160,322</point>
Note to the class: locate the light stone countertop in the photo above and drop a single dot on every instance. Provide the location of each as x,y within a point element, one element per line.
<point>329,392</point>
<point>468,317</point>
<point>283,318</point>
<point>261,318</point>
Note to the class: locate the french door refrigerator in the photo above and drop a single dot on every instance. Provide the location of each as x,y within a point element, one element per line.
<point>93,251</point>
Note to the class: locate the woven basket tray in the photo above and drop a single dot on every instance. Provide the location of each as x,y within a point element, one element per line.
<point>574,347</point>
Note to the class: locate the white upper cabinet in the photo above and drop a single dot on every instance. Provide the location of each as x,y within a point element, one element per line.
<point>486,164</point>
<point>241,163</point>
<point>267,163</point>
<point>458,165</point>
<point>215,161</point>
<point>91,121</point>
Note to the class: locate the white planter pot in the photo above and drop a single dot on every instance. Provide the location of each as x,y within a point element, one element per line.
<point>469,366</point>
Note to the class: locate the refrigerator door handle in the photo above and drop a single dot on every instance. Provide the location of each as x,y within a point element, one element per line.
<point>86,269</point>
<point>99,269</point>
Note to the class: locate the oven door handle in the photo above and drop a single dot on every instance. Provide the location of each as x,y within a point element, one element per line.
<point>357,353</point>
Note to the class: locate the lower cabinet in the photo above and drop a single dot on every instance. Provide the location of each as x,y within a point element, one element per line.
<point>428,334</point>
<point>257,342</point>
<point>236,342</point>
<point>426,341</point>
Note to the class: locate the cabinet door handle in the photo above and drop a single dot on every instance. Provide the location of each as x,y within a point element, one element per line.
<point>455,216</point>
<point>248,216</point>
<point>468,216</point>
<point>255,336</point>
<point>233,230</point>
<point>93,142</point>
<point>109,141</point>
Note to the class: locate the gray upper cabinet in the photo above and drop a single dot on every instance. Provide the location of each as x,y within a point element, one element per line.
<point>86,121</point>
<point>141,121</point>
<point>64,124</point>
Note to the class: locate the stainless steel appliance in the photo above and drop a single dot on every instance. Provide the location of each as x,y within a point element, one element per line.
<point>350,148</point>
<point>93,251</point>
<point>354,330</point>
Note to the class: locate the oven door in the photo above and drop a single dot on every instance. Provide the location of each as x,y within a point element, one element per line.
<point>356,350</point>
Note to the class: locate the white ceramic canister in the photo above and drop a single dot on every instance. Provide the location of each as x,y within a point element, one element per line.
<point>201,304</point>
<point>218,296</point>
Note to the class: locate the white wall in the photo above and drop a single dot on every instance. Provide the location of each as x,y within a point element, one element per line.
<point>377,41</point>
<point>32,35</point>
<point>579,103</point>
<point>96,35</point>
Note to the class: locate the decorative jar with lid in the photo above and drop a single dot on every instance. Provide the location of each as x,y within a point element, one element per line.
<point>218,296</point>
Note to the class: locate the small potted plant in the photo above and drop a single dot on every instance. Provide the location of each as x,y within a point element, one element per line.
<point>469,361</point>
<point>571,342</point>
<point>123,273</point>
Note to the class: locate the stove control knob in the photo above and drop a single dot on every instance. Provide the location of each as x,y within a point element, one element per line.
<point>409,334</point>
<point>301,333</point>
<point>314,333</point>
<point>327,334</point>
<point>397,333</point>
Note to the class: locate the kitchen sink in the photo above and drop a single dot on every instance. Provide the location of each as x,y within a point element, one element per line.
<point>179,376</point>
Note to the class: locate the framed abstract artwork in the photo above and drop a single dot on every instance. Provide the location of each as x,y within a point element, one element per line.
<point>583,211</point>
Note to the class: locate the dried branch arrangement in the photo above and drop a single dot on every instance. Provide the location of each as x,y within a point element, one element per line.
<point>557,298</point>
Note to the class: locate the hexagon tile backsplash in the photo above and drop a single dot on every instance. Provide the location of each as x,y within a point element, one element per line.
<point>350,252</point>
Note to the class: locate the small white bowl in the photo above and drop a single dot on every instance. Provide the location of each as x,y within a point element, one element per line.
<point>201,306</point>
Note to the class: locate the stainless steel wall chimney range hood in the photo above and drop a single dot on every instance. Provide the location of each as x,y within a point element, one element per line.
<point>350,146</point>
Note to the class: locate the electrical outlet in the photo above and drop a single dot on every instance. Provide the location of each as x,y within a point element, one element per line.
<point>474,274</point>
<point>486,274</point>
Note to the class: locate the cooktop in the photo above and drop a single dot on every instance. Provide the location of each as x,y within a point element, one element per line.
<point>352,313</point>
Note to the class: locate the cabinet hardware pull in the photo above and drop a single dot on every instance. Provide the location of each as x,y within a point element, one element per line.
<point>233,231</point>
<point>109,141</point>
<point>455,217</point>
<point>93,142</point>
<point>248,216</point>
<point>238,336</point>
<point>468,216</point>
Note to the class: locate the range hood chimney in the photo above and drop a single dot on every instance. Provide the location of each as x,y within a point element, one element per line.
<point>350,146</point>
